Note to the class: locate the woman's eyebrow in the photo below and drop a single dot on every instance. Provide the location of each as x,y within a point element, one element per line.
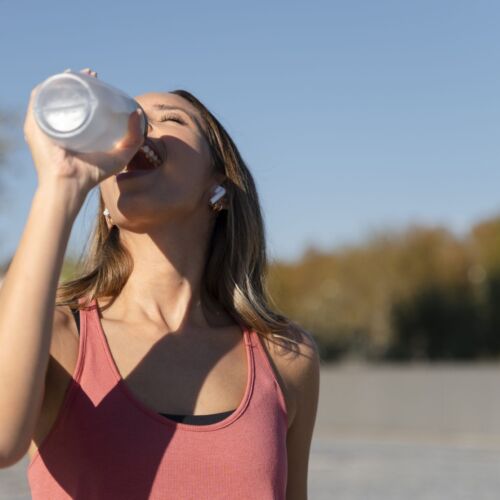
<point>166,106</point>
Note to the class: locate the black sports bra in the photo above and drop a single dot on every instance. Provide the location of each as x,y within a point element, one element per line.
<point>185,419</point>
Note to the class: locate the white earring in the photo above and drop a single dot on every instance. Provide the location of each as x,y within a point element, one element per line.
<point>105,212</point>
<point>219,192</point>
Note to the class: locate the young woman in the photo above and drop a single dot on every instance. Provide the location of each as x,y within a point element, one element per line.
<point>161,371</point>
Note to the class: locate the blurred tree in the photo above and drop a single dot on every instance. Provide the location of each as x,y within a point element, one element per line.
<point>9,120</point>
<point>419,292</point>
<point>70,269</point>
<point>485,244</point>
<point>437,324</point>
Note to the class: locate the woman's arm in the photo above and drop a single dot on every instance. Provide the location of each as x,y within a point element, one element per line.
<point>27,302</point>
<point>28,293</point>
<point>304,375</point>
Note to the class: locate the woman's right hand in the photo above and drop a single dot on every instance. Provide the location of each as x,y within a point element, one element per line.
<point>85,170</point>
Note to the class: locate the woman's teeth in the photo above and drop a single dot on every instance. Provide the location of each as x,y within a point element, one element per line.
<point>150,155</point>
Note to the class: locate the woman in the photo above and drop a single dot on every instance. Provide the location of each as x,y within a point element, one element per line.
<point>177,379</point>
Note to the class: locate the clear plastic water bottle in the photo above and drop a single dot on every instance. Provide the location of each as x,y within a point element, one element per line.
<point>83,114</point>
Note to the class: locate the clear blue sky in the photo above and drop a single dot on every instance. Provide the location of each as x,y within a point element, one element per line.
<point>353,116</point>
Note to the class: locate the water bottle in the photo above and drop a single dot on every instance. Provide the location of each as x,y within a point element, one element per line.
<point>83,114</point>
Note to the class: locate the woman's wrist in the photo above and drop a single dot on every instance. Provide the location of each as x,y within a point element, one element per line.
<point>65,197</point>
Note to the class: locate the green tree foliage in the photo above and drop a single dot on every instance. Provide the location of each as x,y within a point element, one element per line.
<point>420,293</point>
<point>485,243</point>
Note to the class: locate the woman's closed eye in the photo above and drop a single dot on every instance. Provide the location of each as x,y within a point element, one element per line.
<point>171,116</point>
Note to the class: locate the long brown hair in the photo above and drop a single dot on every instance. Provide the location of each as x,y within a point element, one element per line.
<point>236,265</point>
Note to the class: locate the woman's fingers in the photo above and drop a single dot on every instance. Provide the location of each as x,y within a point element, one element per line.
<point>135,133</point>
<point>89,72</point>
<point>29,123</point>
<point>85,70</point>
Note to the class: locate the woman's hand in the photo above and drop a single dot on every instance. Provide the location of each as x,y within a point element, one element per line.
<point>84,170</point>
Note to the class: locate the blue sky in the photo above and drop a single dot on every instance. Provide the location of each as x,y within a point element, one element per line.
<point>353,116</point>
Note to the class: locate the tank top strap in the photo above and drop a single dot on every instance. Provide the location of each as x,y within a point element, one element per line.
<point>249,337</point>
<point>248,333</point>
<point>96,373</point>
<point>252,340</point>
<point>265,372</point>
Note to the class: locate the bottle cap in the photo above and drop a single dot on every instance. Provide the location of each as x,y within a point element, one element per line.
<point>63,104</point>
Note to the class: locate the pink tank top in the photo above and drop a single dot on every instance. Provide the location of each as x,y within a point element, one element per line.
<point>106,444</point>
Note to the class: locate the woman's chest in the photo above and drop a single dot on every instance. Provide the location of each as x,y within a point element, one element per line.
<point>169,375</point>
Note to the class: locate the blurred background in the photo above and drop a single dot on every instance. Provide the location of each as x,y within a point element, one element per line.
<point>372,131</point>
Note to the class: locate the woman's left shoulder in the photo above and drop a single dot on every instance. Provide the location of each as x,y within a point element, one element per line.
<point>297,359</point>
<point>303,369</point>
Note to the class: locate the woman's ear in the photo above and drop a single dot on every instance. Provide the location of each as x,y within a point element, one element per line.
<point>220,178</point>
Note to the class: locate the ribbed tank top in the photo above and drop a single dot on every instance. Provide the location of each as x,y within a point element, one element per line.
<point>189,419</point>
<point>106,444</point>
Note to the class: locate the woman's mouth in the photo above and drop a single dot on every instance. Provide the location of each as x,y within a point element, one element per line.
<point>146,158</point>
<point>131,174</point>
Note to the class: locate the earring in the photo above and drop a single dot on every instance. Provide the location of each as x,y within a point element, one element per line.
<point>219,192</point>
<point>106,214</point>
